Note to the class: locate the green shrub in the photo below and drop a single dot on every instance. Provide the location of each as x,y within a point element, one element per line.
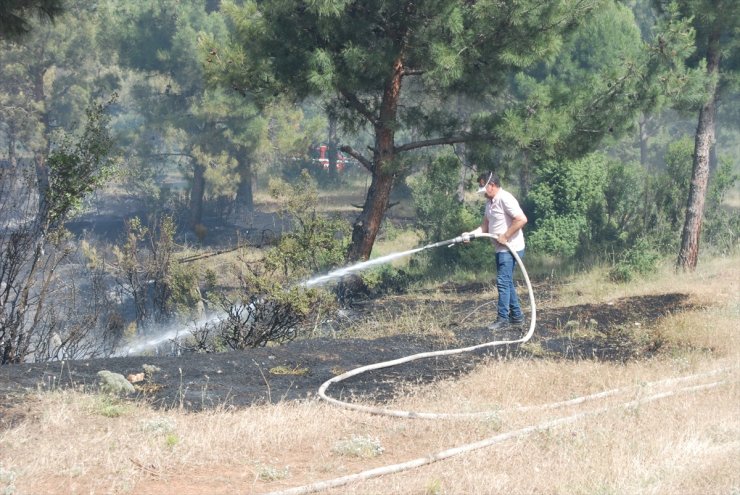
<point>722,225</point>
<point>316,242</point>
<point>358,446</point>
<point>560,201</point>
<point>639,259</point>
<point>386,279</point>
<point>441,215</point>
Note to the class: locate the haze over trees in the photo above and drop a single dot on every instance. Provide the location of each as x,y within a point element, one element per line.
<point>587,108</point>
<point>390,67</point>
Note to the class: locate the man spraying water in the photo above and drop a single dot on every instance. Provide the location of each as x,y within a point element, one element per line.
<point>503,218</point>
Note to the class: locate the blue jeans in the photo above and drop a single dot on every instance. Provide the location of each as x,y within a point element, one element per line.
<point>508,302</point>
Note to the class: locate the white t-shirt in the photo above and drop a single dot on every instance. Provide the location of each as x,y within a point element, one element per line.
<point>500,213</point>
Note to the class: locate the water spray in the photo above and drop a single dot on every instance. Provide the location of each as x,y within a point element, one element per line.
<point>174,332</point>
<point>341,272</point>
<point>386,364</point>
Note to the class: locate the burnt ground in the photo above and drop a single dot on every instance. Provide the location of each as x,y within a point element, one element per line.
<point>618,331</point>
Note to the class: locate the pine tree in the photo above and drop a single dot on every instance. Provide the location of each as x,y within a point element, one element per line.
<point>16,16</point>
<point>397,68</point>
<point>717,23</point>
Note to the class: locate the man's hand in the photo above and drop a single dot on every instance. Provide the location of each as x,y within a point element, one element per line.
<point>466,236</point>
<point>502,239</point>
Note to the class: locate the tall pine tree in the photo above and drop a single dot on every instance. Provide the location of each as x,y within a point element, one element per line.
<point>391,66</point>
<point>716,23</point>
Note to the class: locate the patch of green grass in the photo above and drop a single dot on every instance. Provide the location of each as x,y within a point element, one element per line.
<point>171,440</point>
<point>159,425</point>
<point>395,241</point>
<point>434,487</point>
<point>110,407</point>
<point>271,473</point>
<point>358,446</point>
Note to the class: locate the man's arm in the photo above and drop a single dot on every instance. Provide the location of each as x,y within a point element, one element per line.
<point>517,223</point>
<point>480,230</point>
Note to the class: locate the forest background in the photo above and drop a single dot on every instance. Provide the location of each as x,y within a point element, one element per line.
<point>139,140</point>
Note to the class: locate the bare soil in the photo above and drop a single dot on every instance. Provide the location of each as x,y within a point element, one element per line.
<point>294,371</point>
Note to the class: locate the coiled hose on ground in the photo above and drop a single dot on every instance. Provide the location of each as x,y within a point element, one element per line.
<point>387,364</point>
<point>487,442</point>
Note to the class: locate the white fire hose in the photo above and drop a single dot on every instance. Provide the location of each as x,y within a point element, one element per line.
<point>487,442</point>
<point>447,352</point>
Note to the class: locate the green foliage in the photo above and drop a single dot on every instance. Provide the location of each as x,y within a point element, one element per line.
<point>386,279</point>
<point>78,166</point>
<point>270,305</point>
<point>171,440</point>
<point>184,295</point>
<point>434,191</point>
<point>639,259</point>
<point>272,473</point>
<point>360,446</point>
<point>440,214</point>
<point>599,206</point>
<point>207,138</point>
<point>558,235</point>
<point>50,77</point>
<point>15,15</point>
<point>671,188</point>
<point>615,220</point>
<point>161,287</point>
<point>315,242</point>
<point>110,406</point>
<point>267,310</point>
<point>722,225</point>
<point>560,201</point>
<point>32,251</point>
<point>390,67</point>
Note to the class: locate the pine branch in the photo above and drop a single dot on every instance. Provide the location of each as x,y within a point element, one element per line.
<point>359,106</point>
<point>462,138</point>
<point>357,156</point>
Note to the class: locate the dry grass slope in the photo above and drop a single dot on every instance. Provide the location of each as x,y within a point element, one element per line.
<point>687,443</point>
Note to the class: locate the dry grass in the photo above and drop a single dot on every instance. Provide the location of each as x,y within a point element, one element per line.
<point>689,443</point>
<point>714,281</point>
<point>414,320</point>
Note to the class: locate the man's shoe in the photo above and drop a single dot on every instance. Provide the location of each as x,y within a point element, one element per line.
<point>516,322</point>
<point>499,324</point>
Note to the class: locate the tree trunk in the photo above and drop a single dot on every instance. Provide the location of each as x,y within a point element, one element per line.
<point>367,225</point>
<point>643,138</point>
<point>332,151</point>
<point>196,195</point>
<point>462,181</point>
<point>42,188</point>
<point>689,252</point>
<point>244,195</point>
<point>525,175</point>
<point>461,150</point>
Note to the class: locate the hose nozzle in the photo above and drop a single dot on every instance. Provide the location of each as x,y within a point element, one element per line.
<point>459,239</point>
<point>451,242</point>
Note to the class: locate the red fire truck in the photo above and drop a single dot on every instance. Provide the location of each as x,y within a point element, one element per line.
<point>324,159</point>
